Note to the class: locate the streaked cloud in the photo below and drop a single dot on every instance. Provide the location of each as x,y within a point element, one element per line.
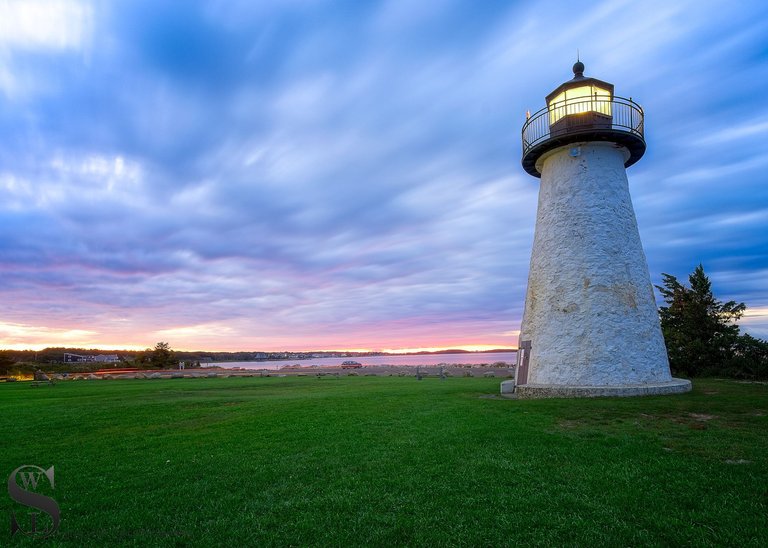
<point>313,174</point>
<point>15,336</point>
<point>45,24</point>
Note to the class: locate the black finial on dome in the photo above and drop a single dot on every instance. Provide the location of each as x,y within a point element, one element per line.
<point>578,69</point>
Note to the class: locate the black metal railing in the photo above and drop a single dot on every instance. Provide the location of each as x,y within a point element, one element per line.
<point>616,113</point>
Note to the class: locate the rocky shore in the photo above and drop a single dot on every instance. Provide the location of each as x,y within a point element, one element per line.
<point>500,370</point>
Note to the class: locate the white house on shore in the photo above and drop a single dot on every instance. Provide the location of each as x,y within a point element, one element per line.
<point>87,358</point>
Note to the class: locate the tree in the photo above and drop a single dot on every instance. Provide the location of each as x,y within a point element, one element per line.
<point>6,363</point>
<point>749,360</point>
<point>162,357</point>
<point>700,331</point>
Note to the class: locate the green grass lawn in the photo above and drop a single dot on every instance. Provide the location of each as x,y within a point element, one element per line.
<point>388,461</point>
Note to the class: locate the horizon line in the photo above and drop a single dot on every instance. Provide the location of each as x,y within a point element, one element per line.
<point>130,348</point>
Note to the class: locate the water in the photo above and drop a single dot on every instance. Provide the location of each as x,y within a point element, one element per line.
<point>421,359</point>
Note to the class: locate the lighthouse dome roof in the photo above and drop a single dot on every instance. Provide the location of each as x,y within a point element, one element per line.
<point>580,80</point>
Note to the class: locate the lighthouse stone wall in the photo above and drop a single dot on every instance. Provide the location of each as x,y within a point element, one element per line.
<point>590,312</point>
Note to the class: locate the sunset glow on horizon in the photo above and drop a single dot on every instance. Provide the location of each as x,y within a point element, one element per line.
<point>327,176</point>
<point>24,337</point>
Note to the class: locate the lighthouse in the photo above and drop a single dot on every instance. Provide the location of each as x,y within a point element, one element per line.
<point>590,325</point>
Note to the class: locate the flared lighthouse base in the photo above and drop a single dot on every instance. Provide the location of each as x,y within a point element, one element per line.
<point>532,391</point>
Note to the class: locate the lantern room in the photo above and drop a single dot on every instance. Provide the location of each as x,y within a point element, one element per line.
<point>583,109</point>
<point>580,102</point>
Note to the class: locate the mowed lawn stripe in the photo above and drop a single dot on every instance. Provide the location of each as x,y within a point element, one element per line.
<point>390,460</point>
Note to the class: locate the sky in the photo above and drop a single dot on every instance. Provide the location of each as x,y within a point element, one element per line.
<point>318,175</point>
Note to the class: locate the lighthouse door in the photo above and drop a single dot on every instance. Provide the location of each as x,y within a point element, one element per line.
<point>523,356</point>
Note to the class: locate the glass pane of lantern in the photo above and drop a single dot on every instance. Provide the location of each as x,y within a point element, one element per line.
<point>602,100</point>
<point>556,108</point>
<point>578,100</point>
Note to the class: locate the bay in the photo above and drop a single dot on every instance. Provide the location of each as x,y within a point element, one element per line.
<point>475,358</point>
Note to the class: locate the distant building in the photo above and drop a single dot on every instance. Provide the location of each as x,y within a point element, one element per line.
<point>86,358</point>
<point>106,358</point>
<point>76,358</point>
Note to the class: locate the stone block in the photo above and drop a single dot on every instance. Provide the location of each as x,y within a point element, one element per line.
<point>508,387</point>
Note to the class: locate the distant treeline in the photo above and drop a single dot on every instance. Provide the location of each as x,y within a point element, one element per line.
<point>56,355</point>
<point>454,351</point>
<point>160,357</point>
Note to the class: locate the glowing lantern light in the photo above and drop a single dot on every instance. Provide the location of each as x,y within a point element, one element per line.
<point>583,102</point>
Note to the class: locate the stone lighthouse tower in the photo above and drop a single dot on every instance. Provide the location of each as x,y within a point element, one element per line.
<point>590,325</point>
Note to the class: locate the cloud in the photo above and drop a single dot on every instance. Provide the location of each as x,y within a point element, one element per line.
<point>44,24</point>
<point>21,336</point>
<point>321,174</point>
<point>31,30</point>
<point>750,128</point>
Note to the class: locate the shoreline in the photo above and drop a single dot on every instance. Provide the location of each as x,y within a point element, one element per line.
<point>447,370</point>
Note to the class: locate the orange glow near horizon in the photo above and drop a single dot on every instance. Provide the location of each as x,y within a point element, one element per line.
<point>221,337</point>
<point>36,347</point>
